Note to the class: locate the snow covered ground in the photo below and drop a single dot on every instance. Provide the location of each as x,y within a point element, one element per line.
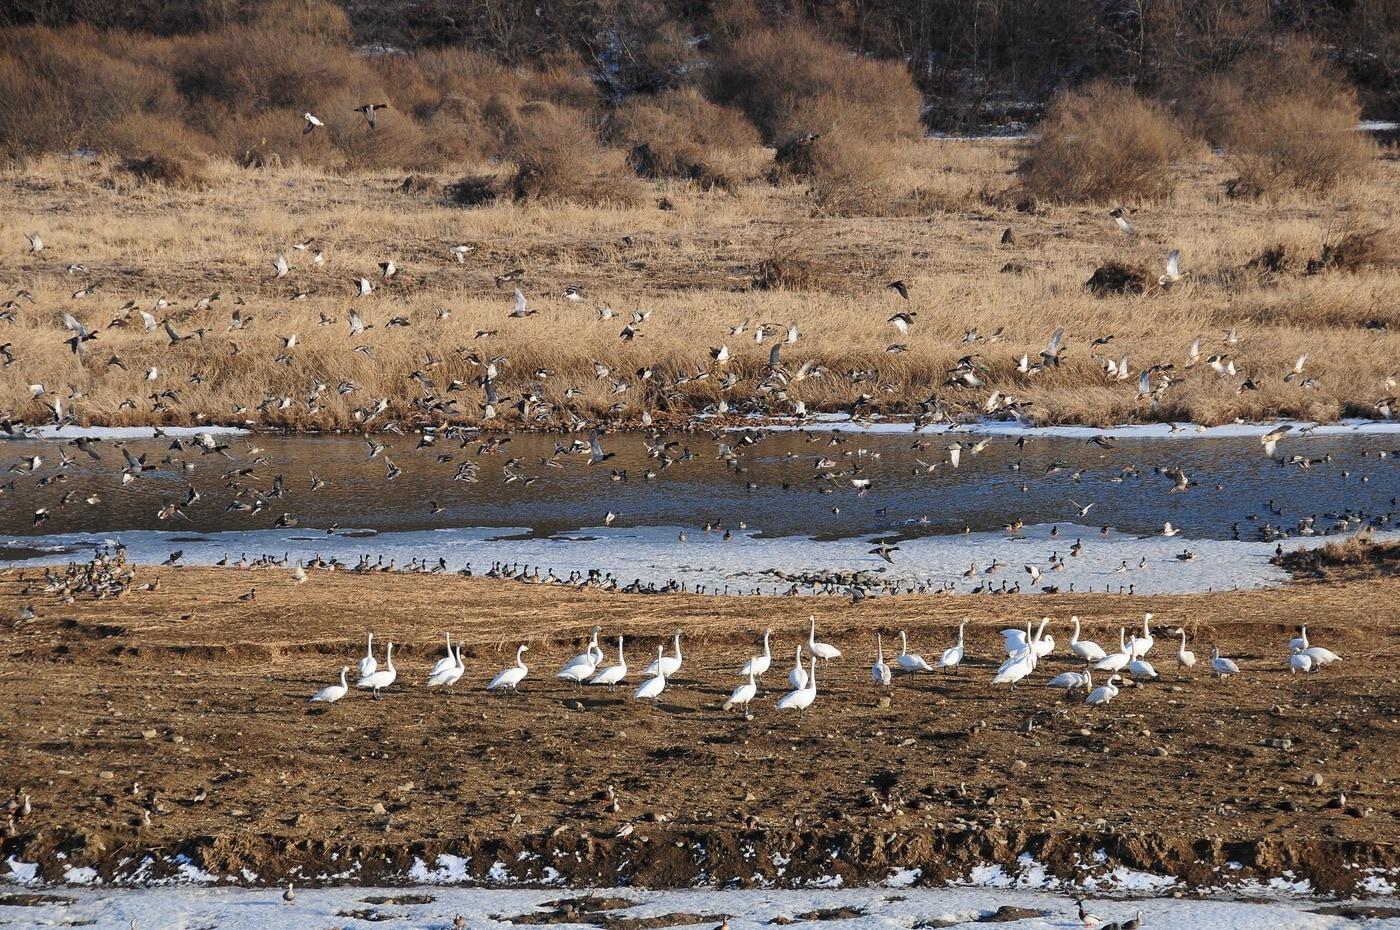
<point>655,554</point>
<point>425,907</point>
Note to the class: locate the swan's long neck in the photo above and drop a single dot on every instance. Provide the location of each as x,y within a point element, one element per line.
<point>1040,632</point>
<point>812,633</point>
<point>369,650</point>
<point>798,663</point>
<point>660,666</point>
<point>1122,643</point>
<point>812,677</point>
<point>961,626</point>
<point>1183,640</point>
<point>389,657</point>
<point>903,643</point>
<point>1305,637</point>
<point>620,660</point>
<point>343,683</point>
<point>518,653</point>
<point>880,648</point>
<point>678,646</point>
<point>766,653</point>
<point>1075,638</point>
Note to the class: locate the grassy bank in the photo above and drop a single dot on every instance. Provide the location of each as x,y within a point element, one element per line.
<point>700,262</point>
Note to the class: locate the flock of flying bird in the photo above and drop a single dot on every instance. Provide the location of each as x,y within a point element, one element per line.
<point>1024,650</point>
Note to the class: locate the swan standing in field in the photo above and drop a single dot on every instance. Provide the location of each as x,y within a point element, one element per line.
<point>382,678</point>
<point>1086,649</point>
<point>801,698</point>
<point>824,651</point>
<point>1299,661</point>
<point>613,674</point>
<point>1141,668</point>
<point>880,672</point>
<point>1299,642</point>
<point>1185,658</point>
<point>798,676</point>
<point>910,661</point>
<point>448,676</point>
<point>1016,667</point>
<point>742,695</point>
<point>757,665</point>
<point>1070,680</point>
<point>651,688</point>
<point>952,656</point>
<point>1142,645</point>
<point>446,662</point>
<point>1222,666</point>
<point>1042,643</point>
<point>368,664</point>
<point>1317,654</point>
<point>1104,693</point>
<point>332,693</point>
<point>583,665</point>
<point>1118,660</point>
<point>667,665</point>
<point>511,676</point>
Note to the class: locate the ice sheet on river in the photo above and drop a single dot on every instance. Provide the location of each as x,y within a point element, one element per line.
<point>424,907</point>
<point>655,554</point>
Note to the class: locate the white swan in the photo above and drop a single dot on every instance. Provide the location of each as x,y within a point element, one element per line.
<point>613,674</point>
<point>651,688</point>
<point>582,666</point>
<point>667,664</point>
<point>1104,693</point>
<point>800,699</point>
<point>1185,658</point>
<point>368,664</point>
<point>742,695</point>
<point>1016,640</point>
<point>1119,659</point>
<point>880,672</point>
<point>1086,649</point>
<point>1321,656</point>
<point>1070,680</point>
<point>1299,642</point>
<point>1141,668</point>
<point>952,656</point>
<point>1015,668</point>
<point>757,665</point>
<point>1042,643</point>
<point>910,661</point>
<point>798,675</point>
<point>511,676</point>
<point>448,676</point>
<point>823,651</point>
<point>1299,661</point>
<point>447,661</point>
<point>1221,665</point>
<point>1142,645</point>
<point>381,678</point>
<point>332,693</point>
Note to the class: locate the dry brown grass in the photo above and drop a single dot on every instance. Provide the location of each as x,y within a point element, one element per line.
<point>713,260</point>
<point>1104,143</point>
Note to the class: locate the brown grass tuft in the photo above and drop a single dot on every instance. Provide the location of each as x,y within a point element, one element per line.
<point>186,172</point>
<point>1104,143</point>
<point>1360,250</point>
<point>557,159</point>
<point>474,190</point>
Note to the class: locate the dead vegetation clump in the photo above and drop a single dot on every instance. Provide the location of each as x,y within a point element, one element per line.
<point>1359,555</point>
<point>680,134</point>
<point>1114,277</point>
<point>473,190</point>
<point>789,267</point>
<point>1359,250</point>
<point>180,171</point>
<point>557,158</point>
<point>1286,119</point>
<point>1104,143</point>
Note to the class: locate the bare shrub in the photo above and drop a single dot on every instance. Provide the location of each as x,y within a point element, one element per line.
<point>1298,144</point>
<point>790,81</point>
<point>680,134</point>
<point>557,158</point>
<point>1359,250</point>
<point>186,172</point>
<point>474,190</point>
<point>847,174</point>
<point>1104,143</point>
<point>1117,278</point>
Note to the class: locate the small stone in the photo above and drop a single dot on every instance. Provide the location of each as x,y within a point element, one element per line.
<point>1275,742</point>
<point>106,775</point>
<point>149,734</point>
<point>1019,765</point>
<point>176,738</point>
<point>1085,731</point>
<point>574,705</point>
<point>884,702</point>
<point>1315,780</point>
<point>378,808</point>
<point>1159,751</point>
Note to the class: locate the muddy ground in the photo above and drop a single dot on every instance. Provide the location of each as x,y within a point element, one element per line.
<point>175,723</point>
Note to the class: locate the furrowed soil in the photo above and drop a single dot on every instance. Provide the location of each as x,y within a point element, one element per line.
<point>146,702</point>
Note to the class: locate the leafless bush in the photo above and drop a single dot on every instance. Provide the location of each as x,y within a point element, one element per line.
<point>1104,143</point>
